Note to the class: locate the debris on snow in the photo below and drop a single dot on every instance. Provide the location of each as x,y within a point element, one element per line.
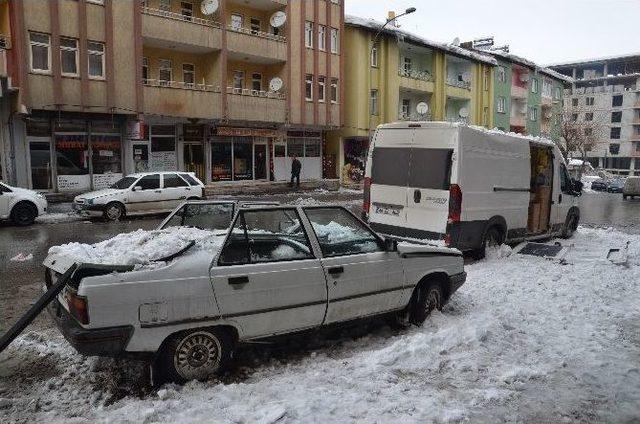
<point>21,257</point>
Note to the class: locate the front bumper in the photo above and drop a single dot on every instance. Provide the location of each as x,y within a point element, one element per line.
<point>456,281</point>
<point>110,341</point>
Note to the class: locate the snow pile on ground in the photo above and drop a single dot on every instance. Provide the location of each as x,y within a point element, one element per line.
<point>524,340</point>
<point>138,247</point>
<point>55,218</point>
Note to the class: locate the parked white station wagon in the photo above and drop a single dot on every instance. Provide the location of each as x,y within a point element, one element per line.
<point>140,194</point>
<point>20,205</point>
<point>275,271</point>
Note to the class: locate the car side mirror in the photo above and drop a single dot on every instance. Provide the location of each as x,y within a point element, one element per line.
<point>390,245</point>
<point>577,186</point>
<point>137,188</point>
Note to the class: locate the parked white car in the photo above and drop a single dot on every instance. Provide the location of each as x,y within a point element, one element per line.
<point>20,205</point>
<point>275,271</point>
<point>141,194</point>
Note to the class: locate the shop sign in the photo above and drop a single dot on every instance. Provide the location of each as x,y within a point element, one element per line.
<point>193,132</point>
<point>247,132</point>
<point>73,182</point>
<point>101,181</point>
<point>136,130</point>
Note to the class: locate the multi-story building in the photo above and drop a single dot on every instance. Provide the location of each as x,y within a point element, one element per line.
<point>230,90</point>
<point>607,90</point>
<point>394,80</point>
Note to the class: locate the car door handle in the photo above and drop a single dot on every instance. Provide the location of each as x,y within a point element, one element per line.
<point>337,270</point>
<point>238,280</point>
<point>417,196</point>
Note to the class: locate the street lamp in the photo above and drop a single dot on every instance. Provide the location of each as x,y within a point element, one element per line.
<point>375,41</point>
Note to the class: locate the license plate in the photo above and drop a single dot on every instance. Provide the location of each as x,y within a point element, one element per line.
<point>391,210</point>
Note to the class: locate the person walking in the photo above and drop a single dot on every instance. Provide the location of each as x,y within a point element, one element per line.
<point>296,167</point>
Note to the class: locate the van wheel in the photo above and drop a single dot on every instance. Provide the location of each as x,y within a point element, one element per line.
<point>193,355</point>
<point>570,225</point>
<point>492,238</point>
<point>114,211</point>
<point>428,297</point>
<point>24,213</point>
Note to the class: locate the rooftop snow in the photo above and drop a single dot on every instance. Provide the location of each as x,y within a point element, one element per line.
<point>390,30</point>
<point>530,64</point>
<point>596,60</point>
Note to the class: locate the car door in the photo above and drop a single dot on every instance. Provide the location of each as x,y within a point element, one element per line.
<point>267,278</point>
<point>175,190</point>
<point>144,196</point>
<point>362,277</point>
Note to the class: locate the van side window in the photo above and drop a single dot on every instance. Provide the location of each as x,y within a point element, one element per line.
<point>565,181</point>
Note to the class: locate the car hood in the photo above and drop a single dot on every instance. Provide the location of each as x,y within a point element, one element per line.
<point>407,248</point>
<point>25,192</point>
<point>99,193</point>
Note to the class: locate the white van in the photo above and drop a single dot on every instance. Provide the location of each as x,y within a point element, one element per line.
<point>467,185</point>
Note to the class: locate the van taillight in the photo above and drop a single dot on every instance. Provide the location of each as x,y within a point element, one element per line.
<point>366,204</point>
<point>455,203</point>
<point>78,307</point>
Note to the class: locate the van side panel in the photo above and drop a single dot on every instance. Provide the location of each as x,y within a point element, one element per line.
<point>495,177</point>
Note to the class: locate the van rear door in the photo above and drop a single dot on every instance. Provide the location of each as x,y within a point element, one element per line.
<point>390,159</point>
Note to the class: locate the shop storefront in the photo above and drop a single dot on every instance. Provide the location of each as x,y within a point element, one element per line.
<point>355,158</point>
<point>154,148</point>
<point>307,147</point>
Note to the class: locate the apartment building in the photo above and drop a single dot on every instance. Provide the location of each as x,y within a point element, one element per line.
<point>229,91</point>
<point>607,90</point>
<point>405,77</point>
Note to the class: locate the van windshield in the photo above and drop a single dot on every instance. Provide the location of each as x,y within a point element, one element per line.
<point>416,168</point>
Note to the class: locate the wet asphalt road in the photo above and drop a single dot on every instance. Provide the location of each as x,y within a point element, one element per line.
<point>21,282</point>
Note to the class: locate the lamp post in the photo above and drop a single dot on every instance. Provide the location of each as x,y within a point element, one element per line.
<point>375,41</point>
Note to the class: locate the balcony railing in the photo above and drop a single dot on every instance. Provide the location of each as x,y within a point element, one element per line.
<point>180,17</point>
<point>454,82</point>
<point>5,42</point>
<point>415,74</point>
<point>255,33</point>
<point>181,85</point>
<point>255,93</point>
<point>403,116</point>
<point>457,120</point>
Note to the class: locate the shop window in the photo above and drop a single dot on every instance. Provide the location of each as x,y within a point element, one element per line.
<point>72,162</point>
<point>295,147</point>
<point>280,150</point>
<point>221,154</point>
<point>242,159</point>
<point>106,159</point>
<point>312,148</point>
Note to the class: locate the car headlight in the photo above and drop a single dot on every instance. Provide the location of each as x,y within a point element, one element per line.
<point>41,196</point>
<point>89,201</point>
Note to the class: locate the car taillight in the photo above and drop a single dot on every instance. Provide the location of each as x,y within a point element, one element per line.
<point>455,203</point>
<point>366,204</point>
<point>78,307</point>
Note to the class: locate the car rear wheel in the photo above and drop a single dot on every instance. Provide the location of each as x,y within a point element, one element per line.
<point>193,355</point>
<point>492,238</point>
<point>114,211</point>
<point>570,225</point>
<point>428,298</point>
<point>24,213</point>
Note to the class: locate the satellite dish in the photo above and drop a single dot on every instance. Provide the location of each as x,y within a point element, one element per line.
<point>209,7</point>
<point>466,77</point>
<point>276,84</point>
<point>456,41</point>
<point>278,19</point>
<point>464,112</point>
<point>422,108</point>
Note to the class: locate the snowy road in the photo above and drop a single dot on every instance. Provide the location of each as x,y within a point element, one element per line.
<point>524,340</point>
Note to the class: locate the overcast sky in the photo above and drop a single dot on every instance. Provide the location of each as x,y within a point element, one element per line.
<point>545,31</point>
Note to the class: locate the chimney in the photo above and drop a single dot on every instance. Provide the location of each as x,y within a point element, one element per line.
<point>391,16</point>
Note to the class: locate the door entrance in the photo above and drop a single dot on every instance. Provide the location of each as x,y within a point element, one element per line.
<point>194,159</point>
<point>260,169</point>
<point>40,157</point>
<point>141,157</point>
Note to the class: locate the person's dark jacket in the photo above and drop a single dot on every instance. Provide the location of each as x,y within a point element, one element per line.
<point>296,167</point>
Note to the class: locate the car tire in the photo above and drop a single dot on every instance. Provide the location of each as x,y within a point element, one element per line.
<point>570,225</point>
<point>193,355</point>
<point>114,211</point>
<point>492,237</point>
<point>427,298</point>
<point>24,213</point>
<point>624,197</point>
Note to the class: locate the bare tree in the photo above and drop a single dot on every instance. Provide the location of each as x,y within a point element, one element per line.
<point>582,131</point>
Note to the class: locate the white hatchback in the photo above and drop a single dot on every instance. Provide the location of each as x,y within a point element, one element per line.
<point>20,205</point>
<point>140,194</point>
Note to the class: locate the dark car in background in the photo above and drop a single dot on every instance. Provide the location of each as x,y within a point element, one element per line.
<point>599,185</point>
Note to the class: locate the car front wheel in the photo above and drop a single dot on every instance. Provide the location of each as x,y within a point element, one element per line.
<point>114,211</point>
<point>24,213</point>
<point>429,298</point>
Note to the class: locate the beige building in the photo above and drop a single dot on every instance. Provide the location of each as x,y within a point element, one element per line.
<point>229,89</point>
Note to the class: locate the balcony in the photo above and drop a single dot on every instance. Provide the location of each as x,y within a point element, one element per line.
<point>262,45</point>
<point>519,92</point>
<point>416,80</point>
<point>518,120</point>
<point>455,82</point>
<point>178,99</point>
<point>414,117</point>
<point>546,101</point>
<point>166,29</point>
<point>259,106</point>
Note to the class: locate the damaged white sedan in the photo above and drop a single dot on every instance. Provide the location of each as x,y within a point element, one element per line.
<point>186,297</point>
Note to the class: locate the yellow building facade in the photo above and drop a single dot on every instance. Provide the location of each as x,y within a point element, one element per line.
<point>393,80</point>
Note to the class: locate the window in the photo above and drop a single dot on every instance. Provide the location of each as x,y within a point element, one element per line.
<point>334,90</point>
<point>407,65</point>
<point>614,149</point>
<point>387,161</point>
<point>533,114</point>
<point>165,72</point>
<point>588,132</point>
<point>406,107</point>
<point>534,85</point>
<point>40,52</point>
<point>322,82</point>
<point>374,102</point>
<point>188,178</point>
<point>322,37</point>
<point>574,102</point>
<point>590,101</point>
<point>96,59</point>
<point>374,55</point>
<point>256,82</point>
<point>69,56</point>
<point>588,116</point>
<point>615,133</point>
<point>308,34</point>
<point>308,88</point>
<point>173,181</point>
<point>485,81</point>
<point>616,101</point>
<point>335,41</point>
<point>565,180</point>
<point>557,93</point>
<point>150,182</point>
<point>574,117</point>
<point>616,117</point>
<point>238,80</point>
<point>188,74</point>
<point>256,26</point>
<point>502,74</point>
<point>214,216</point>
<point>186,9</point>
<point>145,70</point>
<point>237,21</point>
<point>165,5</point>
<point>502,105</point>
<point>264,236</point>
<point>340,233</point>
<point>96,1</point>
